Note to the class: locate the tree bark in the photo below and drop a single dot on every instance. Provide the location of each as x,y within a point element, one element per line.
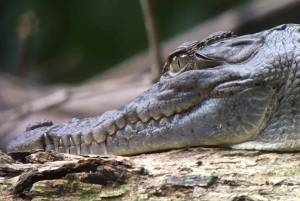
<point>182,174</point>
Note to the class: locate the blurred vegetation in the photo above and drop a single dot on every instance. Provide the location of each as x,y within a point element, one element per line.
<point>76,39</point>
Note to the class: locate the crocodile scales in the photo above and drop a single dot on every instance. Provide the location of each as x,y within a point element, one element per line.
<point>240,92</point>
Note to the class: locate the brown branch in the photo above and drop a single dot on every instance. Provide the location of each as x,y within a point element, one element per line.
<point>152,32</point>
<point>28,25</point>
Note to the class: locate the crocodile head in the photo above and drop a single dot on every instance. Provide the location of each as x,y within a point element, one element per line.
<point>225,90</point>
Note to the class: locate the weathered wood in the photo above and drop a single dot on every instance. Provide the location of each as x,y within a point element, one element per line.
<point>183,174</point>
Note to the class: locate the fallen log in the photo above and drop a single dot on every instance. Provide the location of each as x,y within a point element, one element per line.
<point>182,174</point>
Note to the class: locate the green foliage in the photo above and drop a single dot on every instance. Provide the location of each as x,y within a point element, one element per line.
<point>77,39</point>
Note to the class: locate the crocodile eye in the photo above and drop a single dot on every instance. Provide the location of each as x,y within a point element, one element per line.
<point>179,61</point>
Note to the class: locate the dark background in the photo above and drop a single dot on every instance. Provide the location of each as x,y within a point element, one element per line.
<point>77,39</point>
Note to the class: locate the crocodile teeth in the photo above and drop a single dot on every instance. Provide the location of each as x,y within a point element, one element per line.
<point>72,146</point>
<point>155,113</point>
<point>186,103</point>
<point>103,148</point>
<point>143,112</point>
<point>71,141</point>
<point>144,115</point>
<point>46,140</point>
<point>164,121</point>
<point>99,148</point>
<point>76,139</point>
<point>129,131</point>
<point>131,114</point>
<point>87,136</point>
<point>153,123</point>
<point>61,148</point>
<point>120,120</point>
<point>73,150</point>
<point>139,126</point>
<point>66,140</point>
<point>110,128</point>
<point>99,134</point>
<point>48,145</point>
<point>95,148</point>
<point>177,107</point>
<point>132,117</point>
<point>78,149</point>
<point>67,150</point>
<point>165,109</point>
<point>56,144</point>
<point>50,148</point>
<point>84,149</point>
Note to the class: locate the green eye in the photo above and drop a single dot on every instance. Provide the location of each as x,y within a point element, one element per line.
<point>179,62</point>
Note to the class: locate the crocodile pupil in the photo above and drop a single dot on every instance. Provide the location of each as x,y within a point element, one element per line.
<point>179,62</point>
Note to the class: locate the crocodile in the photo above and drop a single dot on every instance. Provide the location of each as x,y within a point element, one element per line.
<point>232,91</point>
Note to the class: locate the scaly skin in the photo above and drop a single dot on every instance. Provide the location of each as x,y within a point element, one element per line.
<point>241,92</point>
